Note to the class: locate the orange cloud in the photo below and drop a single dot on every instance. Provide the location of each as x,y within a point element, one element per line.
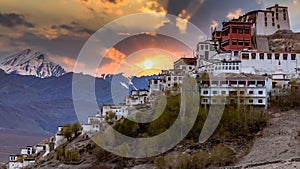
<point>115,55</point>
<point>182,21</point>
<point>153,7</point>
<point>237,13</point>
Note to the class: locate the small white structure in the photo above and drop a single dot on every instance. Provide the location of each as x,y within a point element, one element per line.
<point>187,65</point>
<point>120,110</point>
<point>18,162</point>
<point>94,124</point>
<point>27,151</point>
<point>137,97</point>
<point>60,136</point>
<point>15,162</point>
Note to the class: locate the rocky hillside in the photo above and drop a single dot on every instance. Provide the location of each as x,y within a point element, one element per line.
<point>277,146</point>
<point>284,41</point>
<point>281,41</point>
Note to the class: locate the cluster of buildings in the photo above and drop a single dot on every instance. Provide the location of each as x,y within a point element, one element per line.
<point>240,69</point>
<point>27,155</point>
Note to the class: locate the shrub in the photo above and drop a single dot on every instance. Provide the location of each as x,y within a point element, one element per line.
<point>100,153</point>
<point>222,155</point>
<point>72,155</point>
<point>59,153</point>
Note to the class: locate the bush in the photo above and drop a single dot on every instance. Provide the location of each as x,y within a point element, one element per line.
<point>72,155</point>
<point>222,155</point>
<point>59,153</point>
<point>183,161</point>
<point>100,153</point>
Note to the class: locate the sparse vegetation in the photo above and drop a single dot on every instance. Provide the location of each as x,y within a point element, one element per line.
<point>72,155</point>
<point>221,155</point>
<point>59,153</point>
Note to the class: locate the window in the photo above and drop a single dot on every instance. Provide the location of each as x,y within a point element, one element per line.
<point>293,56</point>
<point>251,92</point>
<point>232,93</point>
<point>260,101</point>
<point>247,43</point>
<point>242,92</point>
<point>240,31</point>
<point>223,92</point>
<point>260,92</point>
<point>278,26</point>
<point>253,55</point>
<point>247,31</point>
<point>206,47</point>
<point>285,56</point>
<point>205,100</point>
<point>250,100</point>
<point>235,53</point>
<point>215,92</point>
<point>266,24</point>
<point>262,56</point>
<point>205,92</point>
<point>269,56</point>
<point>245,56</point>
<point>241,101</point>
<point>234,42</point>
<point>240,42</point>
<point>234,29</point>
<point>277,56</point>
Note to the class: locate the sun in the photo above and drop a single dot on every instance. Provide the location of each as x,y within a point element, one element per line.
<point>148,64</point>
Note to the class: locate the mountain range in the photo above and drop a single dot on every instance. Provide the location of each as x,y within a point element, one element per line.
<point>31,62</point>
<point>40,103</point>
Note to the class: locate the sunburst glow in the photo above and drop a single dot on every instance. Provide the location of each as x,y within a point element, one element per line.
<point>148,64</point>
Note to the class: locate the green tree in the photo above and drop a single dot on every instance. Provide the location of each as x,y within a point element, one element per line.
<point>67,131</point>
<point>76,127</point>
<point>110,116</point>
<point>59,153</point>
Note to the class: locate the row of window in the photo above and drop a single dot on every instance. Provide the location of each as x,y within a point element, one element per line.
<point>236,42</point>
<point>233,93</point>
<point>269,56</point>
<point>233,101</point>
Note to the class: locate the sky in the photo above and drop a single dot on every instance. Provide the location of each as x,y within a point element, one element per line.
<point>61,29</point>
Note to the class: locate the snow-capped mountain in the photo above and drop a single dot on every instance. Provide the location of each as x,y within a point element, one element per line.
<point>31,62</point>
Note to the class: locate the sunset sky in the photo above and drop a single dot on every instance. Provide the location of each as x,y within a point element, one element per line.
<point>61,28</point>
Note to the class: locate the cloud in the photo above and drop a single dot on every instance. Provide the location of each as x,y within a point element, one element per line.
<point>153,7</point>
<point>12,20</point>
<point>115,55</point>
<point>237,13</point>
<point>66,62</point>
<point>214,24</point>
<point>182,21</point>
<point>104,6</point>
